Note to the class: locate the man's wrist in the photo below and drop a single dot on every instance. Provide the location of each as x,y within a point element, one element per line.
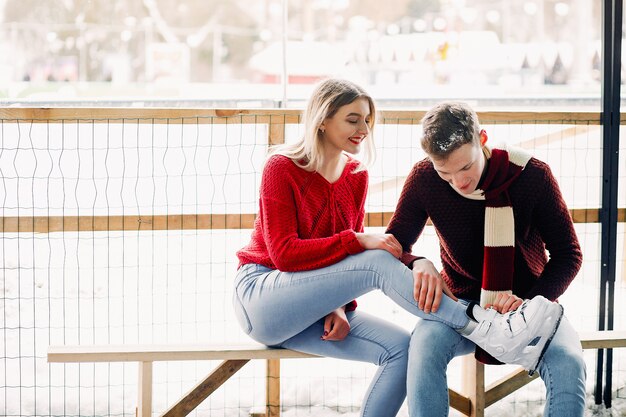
<point>418,261</point>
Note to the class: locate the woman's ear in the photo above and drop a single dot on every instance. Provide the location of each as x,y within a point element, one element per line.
<point>483,137</point>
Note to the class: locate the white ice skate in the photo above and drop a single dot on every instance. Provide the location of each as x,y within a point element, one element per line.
<point>519,337</point>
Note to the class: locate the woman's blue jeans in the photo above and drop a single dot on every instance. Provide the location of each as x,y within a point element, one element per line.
<point>433,346</point>
<point>287,309</point>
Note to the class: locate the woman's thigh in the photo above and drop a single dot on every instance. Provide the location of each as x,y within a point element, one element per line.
<point>370,339</point>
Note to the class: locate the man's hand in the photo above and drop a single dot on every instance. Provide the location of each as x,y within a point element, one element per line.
<point>505,303</point>
<point>336,325</point>
<point>384,241</point>
<point>428,286</point>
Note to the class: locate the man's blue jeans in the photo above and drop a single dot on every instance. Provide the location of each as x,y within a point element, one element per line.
<point>287,309</point>
<point>433,346</point>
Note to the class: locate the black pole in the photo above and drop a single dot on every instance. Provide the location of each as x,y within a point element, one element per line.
<point>611,82</point>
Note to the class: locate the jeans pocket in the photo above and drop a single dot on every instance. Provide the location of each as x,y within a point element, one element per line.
<point>240,314</point>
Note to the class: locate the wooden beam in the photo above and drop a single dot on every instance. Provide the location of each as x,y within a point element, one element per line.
<point>169,115</point>
<point>507,385</point>
<point>603,339</point>
<point>233,221</point>
<point>205,388</point>
<point>153,353</point>
<point>272,393</point>
<point>144,388</point>
<point>460,402</point>
<point>474,384</point>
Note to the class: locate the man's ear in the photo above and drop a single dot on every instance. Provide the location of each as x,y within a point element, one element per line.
<point>483,137</point>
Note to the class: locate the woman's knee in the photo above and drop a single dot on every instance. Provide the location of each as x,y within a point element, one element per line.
<point>378,258</point>
<point>396,346</point>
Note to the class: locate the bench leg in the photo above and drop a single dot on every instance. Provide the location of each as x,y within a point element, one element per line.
<point>205,388</point>
<point>474,385</point>
<point>144,386</point>
<point>272,394</point>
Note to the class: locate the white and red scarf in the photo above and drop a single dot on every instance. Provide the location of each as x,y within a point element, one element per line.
<point>504,166</point>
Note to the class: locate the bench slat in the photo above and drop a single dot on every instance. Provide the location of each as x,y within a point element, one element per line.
<point>603,339</point>
<point>153,353</point>
<point>174,352</point>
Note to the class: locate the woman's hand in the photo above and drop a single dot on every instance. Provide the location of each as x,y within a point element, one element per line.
<point>385,241</point>
<point>505,302</point>
<point>336,325</point>
<point>428,286</point>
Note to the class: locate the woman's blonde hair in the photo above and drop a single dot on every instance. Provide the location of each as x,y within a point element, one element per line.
<point>328,97</point>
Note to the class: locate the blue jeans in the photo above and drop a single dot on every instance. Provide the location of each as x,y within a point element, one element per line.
<point>433,346</point>
<point>287,309</point>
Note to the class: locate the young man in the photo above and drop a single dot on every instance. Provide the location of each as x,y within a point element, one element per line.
<point>496,212</point>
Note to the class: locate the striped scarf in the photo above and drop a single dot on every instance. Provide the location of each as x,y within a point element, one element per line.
<point>505,165</point>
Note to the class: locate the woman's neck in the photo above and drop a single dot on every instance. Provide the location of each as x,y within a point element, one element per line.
<point>332,167</point>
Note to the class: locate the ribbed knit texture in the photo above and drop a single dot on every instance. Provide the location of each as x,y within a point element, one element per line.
<point>541,218</point>
<point>304,221</point>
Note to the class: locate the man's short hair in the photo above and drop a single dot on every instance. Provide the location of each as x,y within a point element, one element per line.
<point>448,126</point>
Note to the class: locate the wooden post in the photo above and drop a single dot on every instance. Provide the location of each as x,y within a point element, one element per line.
<point>144,386</point>
<point>474,384</point>
<point>272,394</point>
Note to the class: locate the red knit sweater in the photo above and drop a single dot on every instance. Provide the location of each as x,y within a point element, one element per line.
<point>304,221</point>
<point>542,222</point>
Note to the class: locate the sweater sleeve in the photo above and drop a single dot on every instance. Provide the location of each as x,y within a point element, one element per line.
<point>360,222</point>
<point>555,225</point>
<point>279,214</point>
<point>409,218</point>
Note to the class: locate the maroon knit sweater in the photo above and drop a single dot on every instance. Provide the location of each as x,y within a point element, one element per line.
<point>304,221</point>
<point>542,222</point>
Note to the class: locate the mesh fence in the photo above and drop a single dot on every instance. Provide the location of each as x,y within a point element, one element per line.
<point>120,227</point>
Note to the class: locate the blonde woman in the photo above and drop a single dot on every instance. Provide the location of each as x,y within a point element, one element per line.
<point>309,258</point>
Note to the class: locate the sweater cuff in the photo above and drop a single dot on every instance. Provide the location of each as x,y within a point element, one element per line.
<point>350,242</point>
<point>408,259</point>
<point>351,306</point>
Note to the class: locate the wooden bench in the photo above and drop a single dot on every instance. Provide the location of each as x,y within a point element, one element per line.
<point>473,403</point>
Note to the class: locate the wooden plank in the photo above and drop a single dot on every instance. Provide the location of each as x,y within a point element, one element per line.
<point>507,385</point>
<point>539,117</point>
<point>460,402</point>
<point>170,115</point>
<point>231,221</point>
<point>272,392</point>
<point>153,353</point>
<point>603,339</point>
<point>276,134</point>
<point>474,384</point>
<point>144,388</point>
<point>205,388</point>
<point>141,115</point>
<point>52,224</point>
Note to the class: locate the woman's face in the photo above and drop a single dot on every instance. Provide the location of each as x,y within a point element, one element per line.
<point>462,168</point>
<point>347,128</point>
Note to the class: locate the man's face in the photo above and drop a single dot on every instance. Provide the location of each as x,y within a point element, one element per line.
<point>462,168</point>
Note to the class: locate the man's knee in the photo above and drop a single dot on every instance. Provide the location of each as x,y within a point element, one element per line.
<point>432,343</point>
